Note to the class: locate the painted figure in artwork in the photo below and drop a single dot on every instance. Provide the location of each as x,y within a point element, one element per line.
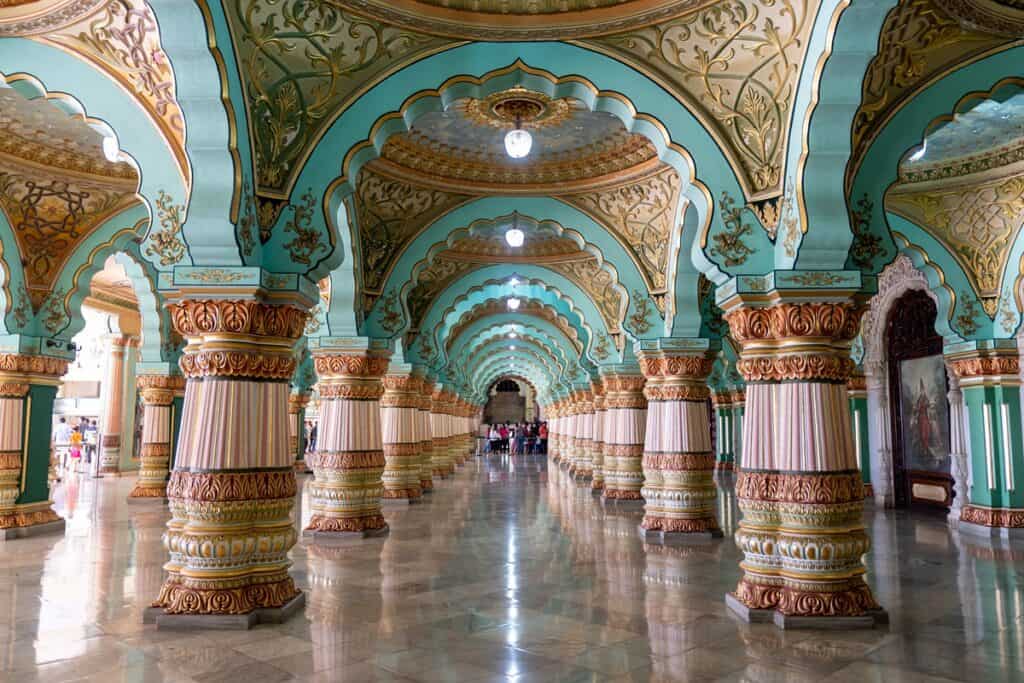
<point>922,425</point>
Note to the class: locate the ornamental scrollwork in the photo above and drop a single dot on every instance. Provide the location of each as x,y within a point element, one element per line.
<point>866,246</point>
<point>639,325</point>
<point>599,284</point>
<point>738,60</point>
<point>600,349</point>
<point>966,322</point>
<point>247,225</point>
<point>308,239</point>
<point>54,312</point>
<point>391,318</point>
<point>729,244</point>
<point>165,244</point>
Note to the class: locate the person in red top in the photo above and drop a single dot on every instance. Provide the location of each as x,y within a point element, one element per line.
<point>503,433</point>
<point>543,435</point>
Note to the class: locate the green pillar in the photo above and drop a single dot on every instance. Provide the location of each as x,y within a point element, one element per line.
<point>724,454</point>
<point>857,390</point>
<point>989,375</point>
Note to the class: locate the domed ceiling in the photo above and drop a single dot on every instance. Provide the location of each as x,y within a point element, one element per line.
<point>56,187</point>
<point>463,146</point>
<point>522,19</point>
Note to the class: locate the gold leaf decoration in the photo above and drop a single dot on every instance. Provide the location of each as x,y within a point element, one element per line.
<point>302,63</point>
<point>966,322</point>
<point>247,226</point>
<point>638,323</point>
<point>600,285</point>
<point>165,244</point>
<point>736,64</point>
<point>431,281</point>
<point>54,314</point>
<point>867,246</point>
<point>308,239</point>
<point>977,223</point>
<point>729,244</point>
<point>601,350</point>
<point>643,214</point>
<point>391,315</point>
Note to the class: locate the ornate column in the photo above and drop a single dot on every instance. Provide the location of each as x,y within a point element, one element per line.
<point>959,461</point>
<point>678,464</point>
<point>585,435</point>
<point>857,391</point>
<point>724,444</point>
<point>348,464</point>
<point>297,402</point>
<point>28,387</point>
<point>799,489</point>
<point>554,413</point>
<point>879,433</point>
<point>113,401</point>
<point>232,489</point>
<point>426,437</point>
<point>399,409</point>
<point>597,437</point>
<point>625,423</point>
<point>157,393</point>
<point>989,378</point>
<point>441,459</point>
<point>738,399</point>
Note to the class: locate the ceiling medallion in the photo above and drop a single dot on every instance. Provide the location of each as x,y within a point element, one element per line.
<point>532,110</point>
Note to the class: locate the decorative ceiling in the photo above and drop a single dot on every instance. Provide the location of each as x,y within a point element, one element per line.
<point>522,19</point>
<point>988,136</point>
<point>463,146</point>
<point>56,187</point>
<point>529,307</point>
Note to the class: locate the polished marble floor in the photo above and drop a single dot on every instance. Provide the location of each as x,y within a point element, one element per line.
<point>511,572</point>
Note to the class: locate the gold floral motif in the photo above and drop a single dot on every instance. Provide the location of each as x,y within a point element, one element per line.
<point>358,365</point>
<point>350,392</point>
<point>805,367</point>
<point>308,239</point>
<point>644,214</point>
<point>166,243</point>
<point>178,598</point>
<point>600,284</point>
<point>13,363</point>
<point>638,322</point>
<point>13,520</point>
<point>837,321</point>
<point>993,517</point>
<point>433,280</point>
<point>219,275</point>
<point>220,487</point>
<point>600,349</point>
<point>301,65</point>
<point>867,246</point>
<point>814,279</point>
<point>966,321</point>
<point>918,40</point>
<point>976,223</point>
<point>736,63</point>
<point>13,389</point>
<point>246,364</point>
<point>54,311</point>
<point>247,224</point>
<point>986,366</point>
<point>729,244</point>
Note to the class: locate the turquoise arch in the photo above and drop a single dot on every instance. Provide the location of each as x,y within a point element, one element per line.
<point>549,212</point>
<point>471,357</point>
<point>463,346</point>
<point>825,220</point>
<point>905,131</point>
<point>496,349</point>
<point>156,322</point>
<point>520,361</point>
<point>58,71</point>
<point>675,123</point>
<point>548,287</point>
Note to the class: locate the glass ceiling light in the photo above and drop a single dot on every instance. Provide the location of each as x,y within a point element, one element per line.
<point>110,149</point>
<point>511,335</point>
<point>514,236</point>
<point>513,304</point>
<point>518,141</point>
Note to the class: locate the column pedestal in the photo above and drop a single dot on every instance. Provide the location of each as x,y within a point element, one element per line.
<point>157,393</point>
<point>349,461</point>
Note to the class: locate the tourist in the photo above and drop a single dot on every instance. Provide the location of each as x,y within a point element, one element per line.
<point>76,445</point>
<point>542,435</point>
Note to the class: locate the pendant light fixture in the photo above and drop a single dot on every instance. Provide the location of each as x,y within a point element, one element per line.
<point>518,142</point>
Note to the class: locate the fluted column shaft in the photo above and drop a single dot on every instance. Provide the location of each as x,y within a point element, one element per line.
<point>799,488</point>
<point>28,386</point>
<point>571,455</point>
<point>399,416</point>
<point>232,489</point>
<point>426,438</point>
<point>625,427</point>
<point>597,437</point>
<point>585,435</point>
<point>441,459</point>
<point>554,431</point>
<point>857,393</point>
<point>349,461</point>
<point>113,388</point>
<point>678,463</point>
<point>157,393</point>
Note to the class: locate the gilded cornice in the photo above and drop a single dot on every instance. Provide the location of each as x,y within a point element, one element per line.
<point>42,16</point>
<point>977,223</point>
<point>734,64</point>
<point>919,43</point>
<point>122,39</point>
<point>301,66</point>
<point>1009,154</point>
<point>522,20</point>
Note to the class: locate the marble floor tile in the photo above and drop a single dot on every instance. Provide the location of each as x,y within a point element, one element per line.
<point>511,572</point>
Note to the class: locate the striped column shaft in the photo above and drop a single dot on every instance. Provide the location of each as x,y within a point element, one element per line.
<point>399,415</point>
<point>157,393</point>
<point>297,403</point>
<point>625,427</point>
<point>426,438</point>
<point>597,437</point>
<point>348,464</point>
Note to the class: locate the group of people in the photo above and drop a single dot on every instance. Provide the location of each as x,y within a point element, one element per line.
<point>520,438</point>
<point>75,443</point>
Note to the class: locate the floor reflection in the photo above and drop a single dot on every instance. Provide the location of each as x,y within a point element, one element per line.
<point>509,571</point>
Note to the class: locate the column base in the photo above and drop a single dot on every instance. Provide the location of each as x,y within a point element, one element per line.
<point>724,466</point>
<point>302,468</point>
<point>31,519</point>
<point>622,499</point>
<point>427,485</point>
<point>1001,523</point>
<point>751,615</point>
<point>188,622</point>
<point>662,537</point>
<point>344,537</point>
<point>54,527</point>
<point>991,532</point>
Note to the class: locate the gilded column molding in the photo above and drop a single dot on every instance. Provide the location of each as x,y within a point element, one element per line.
<point>113,382</point>
<point>625,425</point>
<point>554,431</point>
<point>25,507</point>
<point>584,435</point>
<point>297,402</point>
<point>597,437</point>
<point>426,437</point>
<point>441,459</point>
<point>349,461</point>
<point>402,458</point>
<point>568,461</point>
<point>157,393</point>
<point>678,463</point>
<point>988,374</point>
<point>738,399</point>
<point>799,487</point>
<point>233,487</point>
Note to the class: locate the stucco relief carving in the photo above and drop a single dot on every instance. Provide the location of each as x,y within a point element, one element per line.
<point>737,62</point>
<point>977,223</point>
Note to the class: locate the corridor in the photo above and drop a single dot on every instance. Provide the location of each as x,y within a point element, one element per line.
<point>510,571</point>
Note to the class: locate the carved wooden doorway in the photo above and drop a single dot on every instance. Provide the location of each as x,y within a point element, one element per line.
<point>920,413</point>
